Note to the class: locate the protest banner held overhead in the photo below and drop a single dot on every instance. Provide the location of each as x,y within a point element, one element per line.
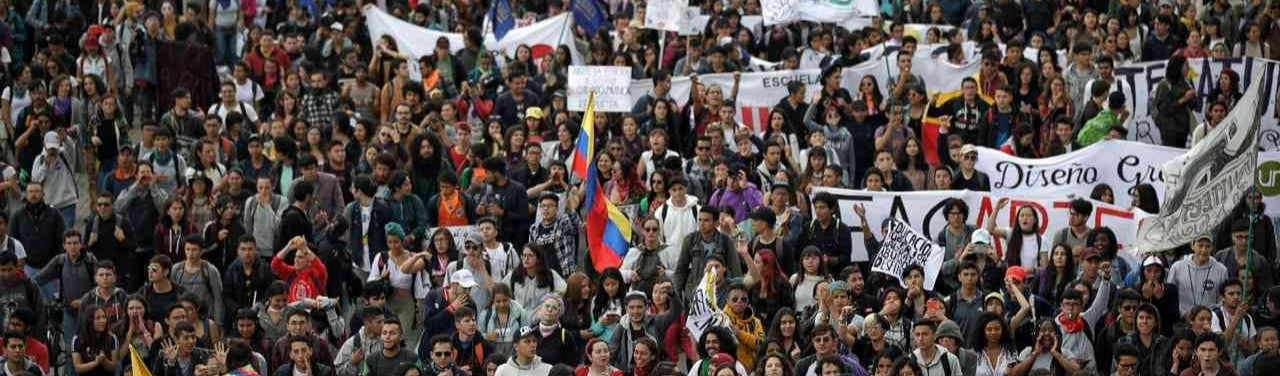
<point>611,85</point>
<point>903,247</point>
<point>1201,184</point>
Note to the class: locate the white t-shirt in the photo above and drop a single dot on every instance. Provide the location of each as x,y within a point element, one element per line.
<point>16,105</point>
<point>249,93</point>
<point>221,111</point>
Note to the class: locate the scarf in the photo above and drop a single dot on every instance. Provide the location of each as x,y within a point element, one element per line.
<point>547,330</point>
<point>1071,325</point>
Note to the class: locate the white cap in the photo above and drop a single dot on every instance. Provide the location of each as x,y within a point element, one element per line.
<point>464,278</point>
<point>980,236</point>
<point>51,141</point>
<point>336,26</point>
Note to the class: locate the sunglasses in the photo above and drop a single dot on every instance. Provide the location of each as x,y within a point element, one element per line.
<point>441,353</point>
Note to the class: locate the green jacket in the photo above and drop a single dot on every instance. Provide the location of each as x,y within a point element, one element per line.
<point>1095,129</point>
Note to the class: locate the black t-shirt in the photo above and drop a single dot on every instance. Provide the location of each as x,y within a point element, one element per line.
<point>88,351</point>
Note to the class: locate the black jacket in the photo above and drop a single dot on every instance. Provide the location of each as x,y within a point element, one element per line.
<point>379,217</point>
<point>39,228</point>
<point>106,247</point>
<point>293,222</point>
<point>243,291</point>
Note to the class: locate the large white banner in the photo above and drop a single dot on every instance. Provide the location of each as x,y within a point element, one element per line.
<point>822,11</point>
<point>1269,181</point>
<point>923,212</point>
<point>903,247</point>
<point>612,86</point>
<point>1204,75</point>
<point>1119,164</point>
<point>759,92</point>
<point>703,311</point>
<point>417,41</point>
<point>1204,184</point>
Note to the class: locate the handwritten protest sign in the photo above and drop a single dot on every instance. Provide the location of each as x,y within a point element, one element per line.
<point>667,15</point>
<point>612,86</point>
<point>703,311</point>
<point>903,247</point>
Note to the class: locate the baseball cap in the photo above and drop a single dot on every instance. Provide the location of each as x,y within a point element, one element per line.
<point>1152,260</point>
<point>994,295</point>
<point>473,238</point>
<point>1089,252</point>
<point>51,141</point>
<point>1016,272</point>
<point>527,332</point>
<point>464,278</point>
<point>968,148</point>
<point>533,112</point>
<point>980,236</point>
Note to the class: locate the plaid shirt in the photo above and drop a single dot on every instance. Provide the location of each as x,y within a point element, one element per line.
<point>318,107</point>
<point>559,240</point>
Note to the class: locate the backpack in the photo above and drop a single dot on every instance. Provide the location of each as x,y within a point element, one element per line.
<point>946,364</point>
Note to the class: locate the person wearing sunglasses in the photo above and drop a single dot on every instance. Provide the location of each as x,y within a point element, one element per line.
<point>442,357</point>
<point>969,177</point>
<point>646,262</point>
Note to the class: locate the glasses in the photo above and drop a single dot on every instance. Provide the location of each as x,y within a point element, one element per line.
<point>651,229</point>
<point>971,157</point>
<point>470,247</point>
<point>823,339</point>
<point>440,353</point>
<point>737,299</point>
<point>1128,308</point>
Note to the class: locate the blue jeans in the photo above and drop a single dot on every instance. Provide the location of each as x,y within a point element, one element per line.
<point>224,46</point>
<point>68,214</point>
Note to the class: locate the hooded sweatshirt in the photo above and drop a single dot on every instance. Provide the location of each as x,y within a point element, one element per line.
<point>514,368</point>
<point>59,181</point>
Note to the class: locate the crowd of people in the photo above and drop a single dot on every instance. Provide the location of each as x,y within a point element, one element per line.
<point>347,206</point>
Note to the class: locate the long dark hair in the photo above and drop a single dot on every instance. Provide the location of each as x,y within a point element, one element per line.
<point>543,274</point>
<point>95,339</point>
<point>1146,195</point>
<point>1013,255</point>
<point>1050,288</point>
<point>602,298</point>
<point>978,338</point>
<point>1173,70</point>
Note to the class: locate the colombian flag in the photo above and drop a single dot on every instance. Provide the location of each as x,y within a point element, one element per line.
<point>608,230</point>
<point>243,371</point>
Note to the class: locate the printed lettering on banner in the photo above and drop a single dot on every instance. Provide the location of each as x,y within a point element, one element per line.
<point>612,86</point>
<point>667,15</point>
<point>1202,184</point>
<point>923,212</point>
<point>1204,74</point>
<point>903,247</point>
<point>1119,164</point>
<point>704,312</point>
<point>1269,181</point>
